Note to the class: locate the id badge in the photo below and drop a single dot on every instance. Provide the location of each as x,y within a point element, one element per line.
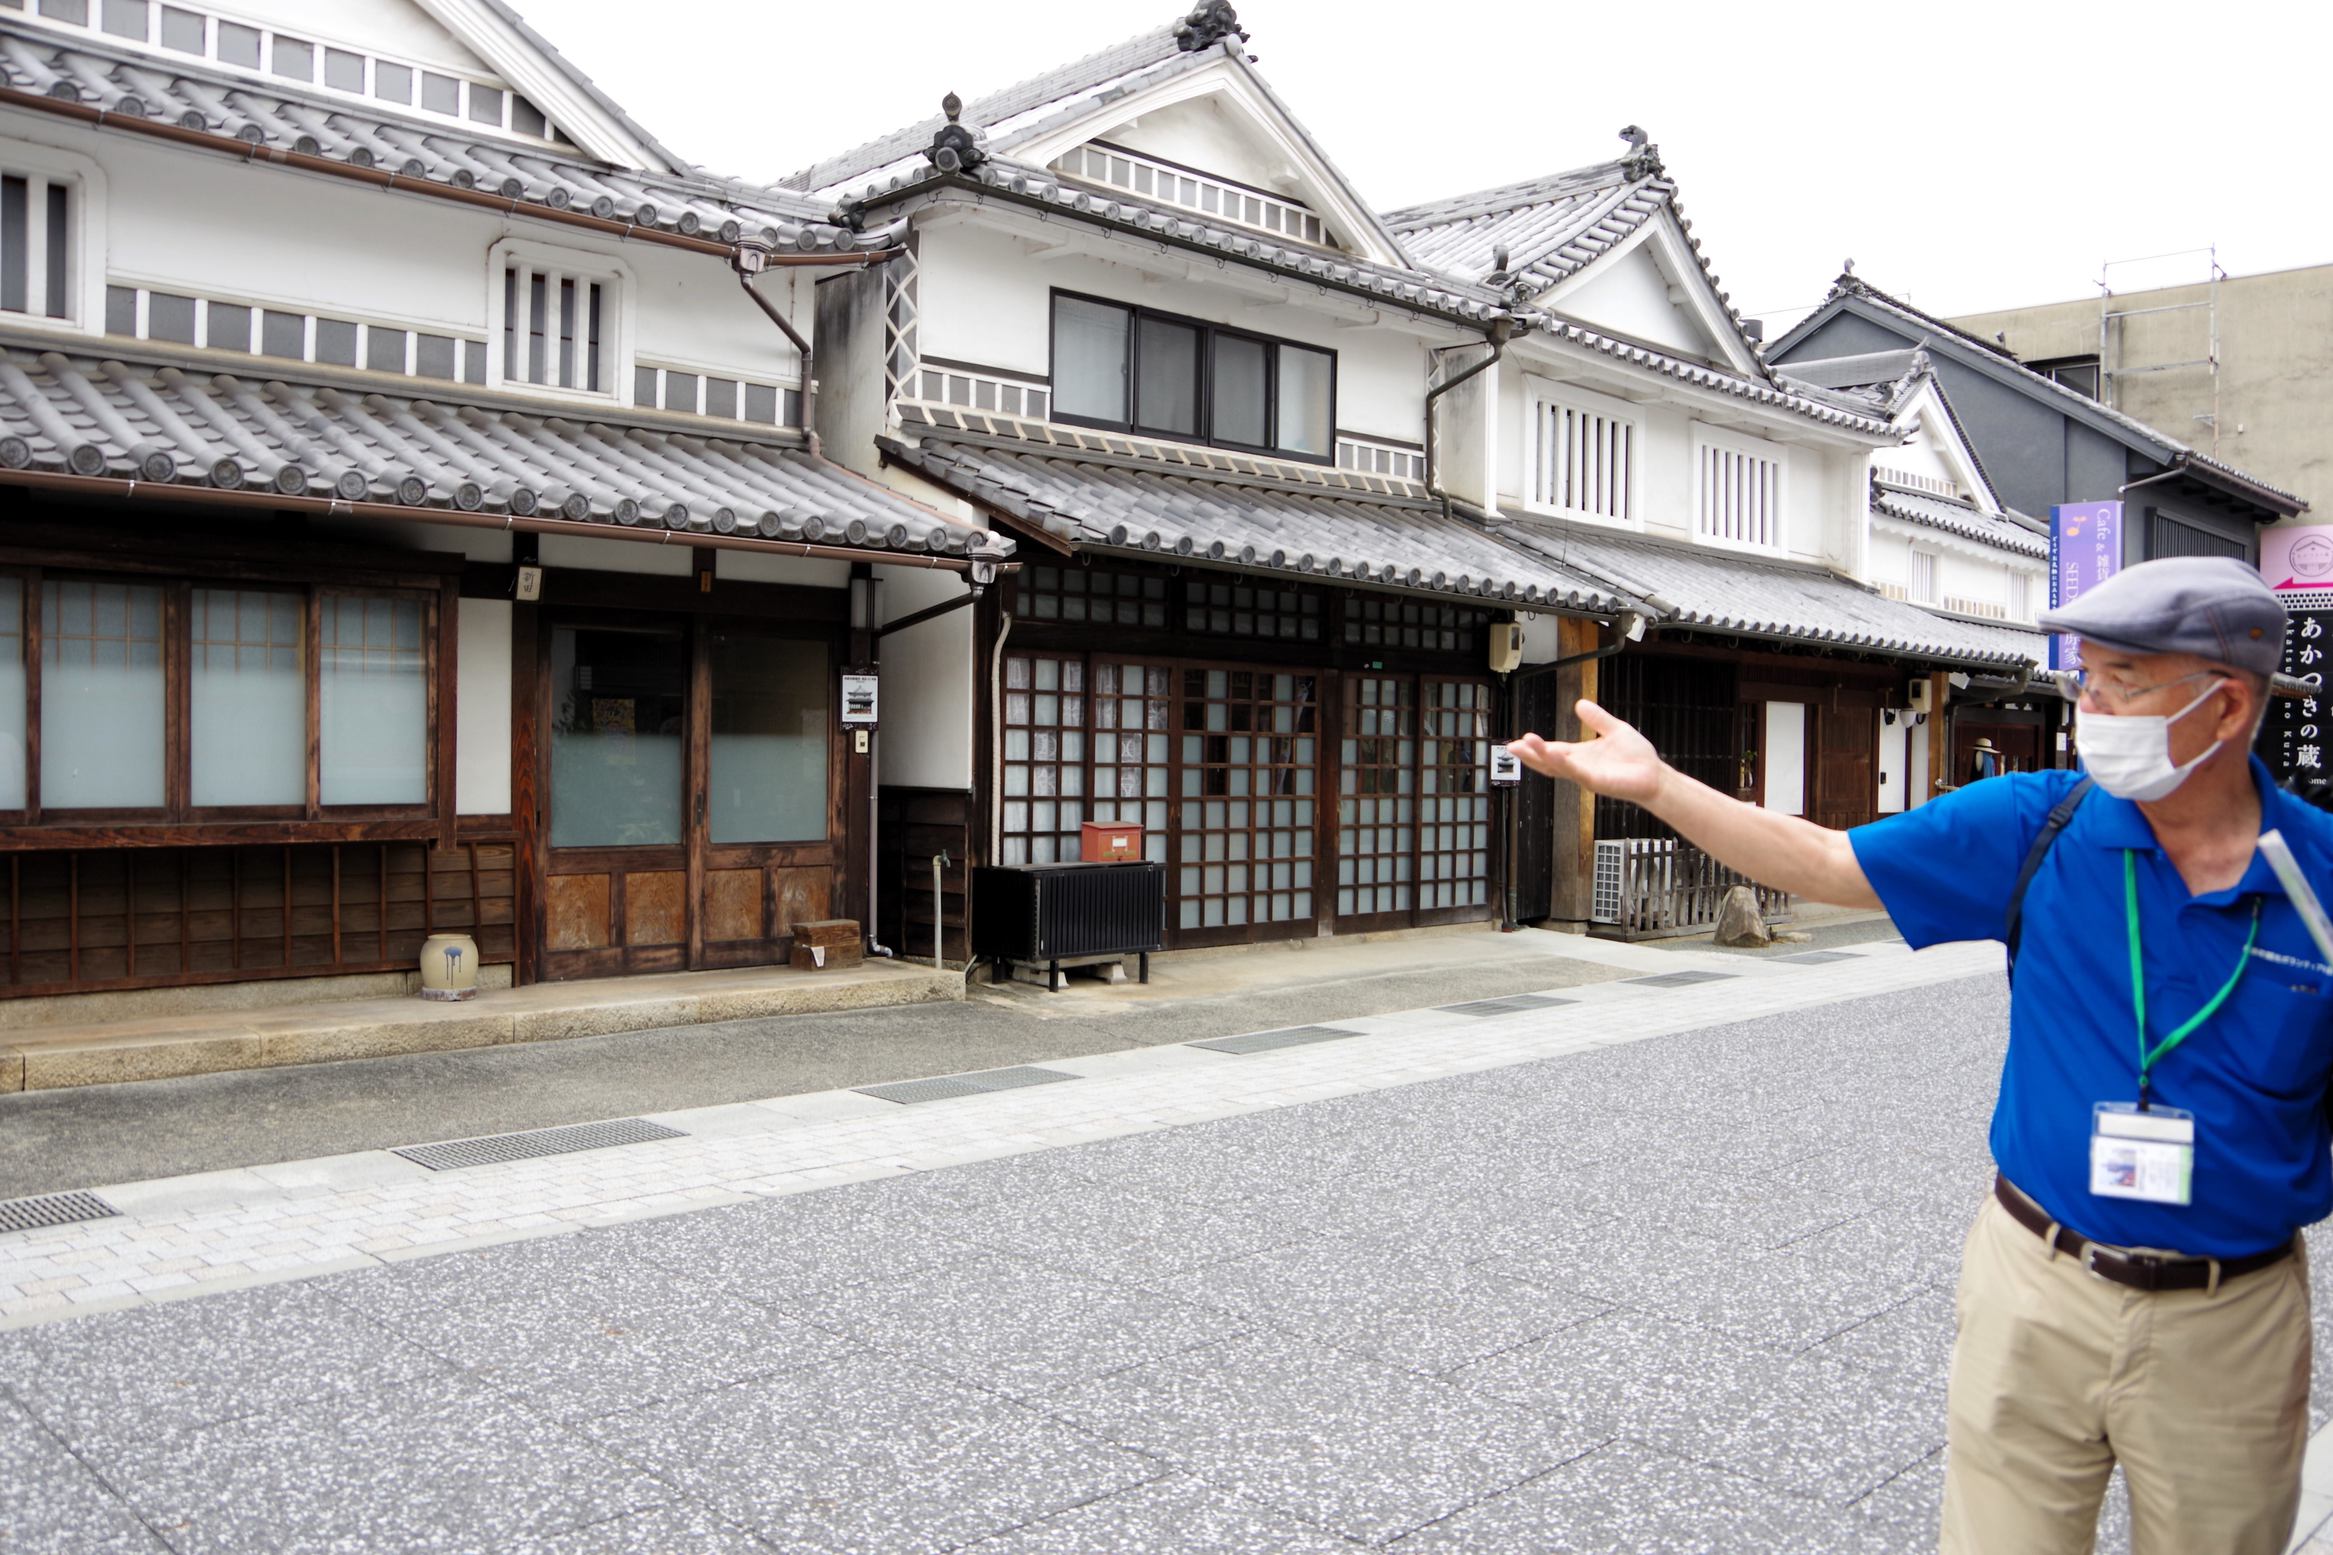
<point>2146,1155</point>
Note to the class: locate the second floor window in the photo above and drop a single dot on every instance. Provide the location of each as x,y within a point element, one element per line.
<point>1130,369</point>
<point>554,328</point>
<point>36,245</point>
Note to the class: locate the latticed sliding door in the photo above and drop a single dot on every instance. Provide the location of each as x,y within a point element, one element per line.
<point>1377,835</point>
<point>1133,749</point>
<point>1244,839</point>
<point>1454,835</point>
<point>1044,797</point>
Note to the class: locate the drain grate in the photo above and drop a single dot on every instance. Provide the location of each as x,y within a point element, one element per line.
<point>452,1153</point>
<point>1821,957</point>
<point>1507,1006</point>
<point>1266,1041</point>
<point>53,1209</point>
<point>1680,979</point>
<point>948,1087</point>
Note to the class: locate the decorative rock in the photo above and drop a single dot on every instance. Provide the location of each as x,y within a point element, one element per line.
<point>1739,922</point>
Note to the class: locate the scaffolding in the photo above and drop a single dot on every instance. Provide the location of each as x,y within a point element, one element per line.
<point>2113,364</point>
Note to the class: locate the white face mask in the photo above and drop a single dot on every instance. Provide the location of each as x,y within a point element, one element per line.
<point>2130,754</point>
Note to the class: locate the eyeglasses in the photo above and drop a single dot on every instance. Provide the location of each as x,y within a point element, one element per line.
<point>2111,693</point>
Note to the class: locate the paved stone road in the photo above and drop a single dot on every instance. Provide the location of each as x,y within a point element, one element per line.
<point>1688,1293</point>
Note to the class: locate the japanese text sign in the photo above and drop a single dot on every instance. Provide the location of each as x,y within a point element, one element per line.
<point>2085,549</point>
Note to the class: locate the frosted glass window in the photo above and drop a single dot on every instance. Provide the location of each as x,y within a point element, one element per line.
<point>1166,397</point>
<point>373,702</point>
<point>102,719</point>
<point>11,694</point>
<point>1089,359</point>
<point>248,697</point>
<point>1306,379</point>
<point>617,703</point>
<point>769,740</point>
<point>1239,378</point>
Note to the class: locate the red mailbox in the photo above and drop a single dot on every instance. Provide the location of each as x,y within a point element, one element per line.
<point>1109,842</point>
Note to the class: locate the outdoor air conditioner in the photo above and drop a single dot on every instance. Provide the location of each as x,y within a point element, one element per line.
<point>1506,646</point>
<point>1921,698</point>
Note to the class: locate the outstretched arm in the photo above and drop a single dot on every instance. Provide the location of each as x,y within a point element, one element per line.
<point>1777,850</point>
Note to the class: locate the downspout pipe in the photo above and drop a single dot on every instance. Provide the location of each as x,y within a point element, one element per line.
<point>748,263</point>
<point>1501,331</point>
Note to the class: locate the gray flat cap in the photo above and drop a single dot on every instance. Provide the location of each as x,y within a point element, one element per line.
<point>2215,607</point>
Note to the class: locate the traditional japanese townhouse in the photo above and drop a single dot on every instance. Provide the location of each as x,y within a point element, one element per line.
<point>411,520</point>
<point>2046,442</point>
<point>1143,324</point>
<point>1635,433</point>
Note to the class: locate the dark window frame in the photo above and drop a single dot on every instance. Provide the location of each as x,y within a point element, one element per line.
<point>178,811</point>
<point>1205,388</point>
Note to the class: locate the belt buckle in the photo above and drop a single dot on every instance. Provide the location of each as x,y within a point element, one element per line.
<point>2140,1271</point>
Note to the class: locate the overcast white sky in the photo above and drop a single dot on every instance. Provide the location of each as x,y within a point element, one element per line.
<point>1966,157</point>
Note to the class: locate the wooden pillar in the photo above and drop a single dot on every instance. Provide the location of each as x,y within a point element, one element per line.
<point>1939,732</point>
<point>1574,830</point>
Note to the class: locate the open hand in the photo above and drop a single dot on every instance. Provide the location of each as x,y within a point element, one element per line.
<point>1618,762</point>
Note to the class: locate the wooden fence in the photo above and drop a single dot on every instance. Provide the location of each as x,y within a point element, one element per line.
<point>1653,887</point>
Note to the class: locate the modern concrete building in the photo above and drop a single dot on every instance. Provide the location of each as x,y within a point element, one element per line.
<point>2239,366</point>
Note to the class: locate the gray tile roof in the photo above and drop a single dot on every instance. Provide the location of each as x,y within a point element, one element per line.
<point>1849,291</point>
<point>1061,86</point>
<point>1872,370</point>
<point>1045,189</point>
<point>2019,535</point>
<point>162,424</point>
<point>1735,593</point>
<point>1818,405</point>
<point>1551,227</point>
<point>1090,502</point>
<point>127,85</point>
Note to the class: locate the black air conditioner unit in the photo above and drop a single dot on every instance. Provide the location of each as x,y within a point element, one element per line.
<point>1045,914</point>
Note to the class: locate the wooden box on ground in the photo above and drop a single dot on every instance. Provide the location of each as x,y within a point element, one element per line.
<point>837,938</point>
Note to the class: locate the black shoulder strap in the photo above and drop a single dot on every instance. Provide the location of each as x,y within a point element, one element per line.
<point>2060,813</point>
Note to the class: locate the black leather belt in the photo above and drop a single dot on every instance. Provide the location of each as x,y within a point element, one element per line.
<point>2140,1271</point>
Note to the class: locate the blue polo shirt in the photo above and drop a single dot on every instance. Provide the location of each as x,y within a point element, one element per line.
<point>2254,1075</point>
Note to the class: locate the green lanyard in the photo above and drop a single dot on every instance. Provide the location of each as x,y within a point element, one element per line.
<point>2138,977</point>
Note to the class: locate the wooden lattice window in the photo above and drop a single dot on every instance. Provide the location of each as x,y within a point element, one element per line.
<point>1377,797</point>
<point>1092,594</point>
<point>1044,757</point>
<point>1250,610</point>
<point>1249,749</point>
<point>1454,829</point>
<point>1375,621</point>
<point>1133,749</point>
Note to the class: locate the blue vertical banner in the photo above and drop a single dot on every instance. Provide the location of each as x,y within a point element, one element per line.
<point>2085,549</point>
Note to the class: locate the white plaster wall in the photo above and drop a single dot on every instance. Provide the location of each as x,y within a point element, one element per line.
<point>983,299</point>
<point>1786,757</point>
<point>1632,298</point>
<point>317,244</point>
<point>1202,134</point>
<point>482,709</point>
<point>928,682</point>
<point>658,561</point>
<point>1917,457</point>
<point>816,572</point>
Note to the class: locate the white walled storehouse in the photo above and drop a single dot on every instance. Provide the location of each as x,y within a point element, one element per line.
<point>349,354</point>
<point>1631,431</point>
<point>1145,325</point>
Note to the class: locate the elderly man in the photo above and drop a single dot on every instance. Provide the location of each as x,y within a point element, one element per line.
<point>2133,1291</point>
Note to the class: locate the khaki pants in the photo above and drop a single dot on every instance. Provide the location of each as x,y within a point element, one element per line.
<point>2058,1375</point>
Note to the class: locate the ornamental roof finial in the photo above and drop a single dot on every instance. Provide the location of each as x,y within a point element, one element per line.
<point>1643,158</point>
<point>955,148</point>
<point>1207,26</point>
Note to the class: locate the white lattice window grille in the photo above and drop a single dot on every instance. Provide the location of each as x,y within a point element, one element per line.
<point>900,354</point>
<point>1166,184</point>
<point>979,389</point>
<point>1923,576</point>
<point>1373,456</point>
<point>1936,484</point>
<point>724,398</point>
<point>1962,604</point>
<point>292,334</point>
<point>302,57</point>
<point>2020,595</point>
<point>1894,591</point>
<point>558,320</point>
<point>1737,491</point>
<point>1579,458</point>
